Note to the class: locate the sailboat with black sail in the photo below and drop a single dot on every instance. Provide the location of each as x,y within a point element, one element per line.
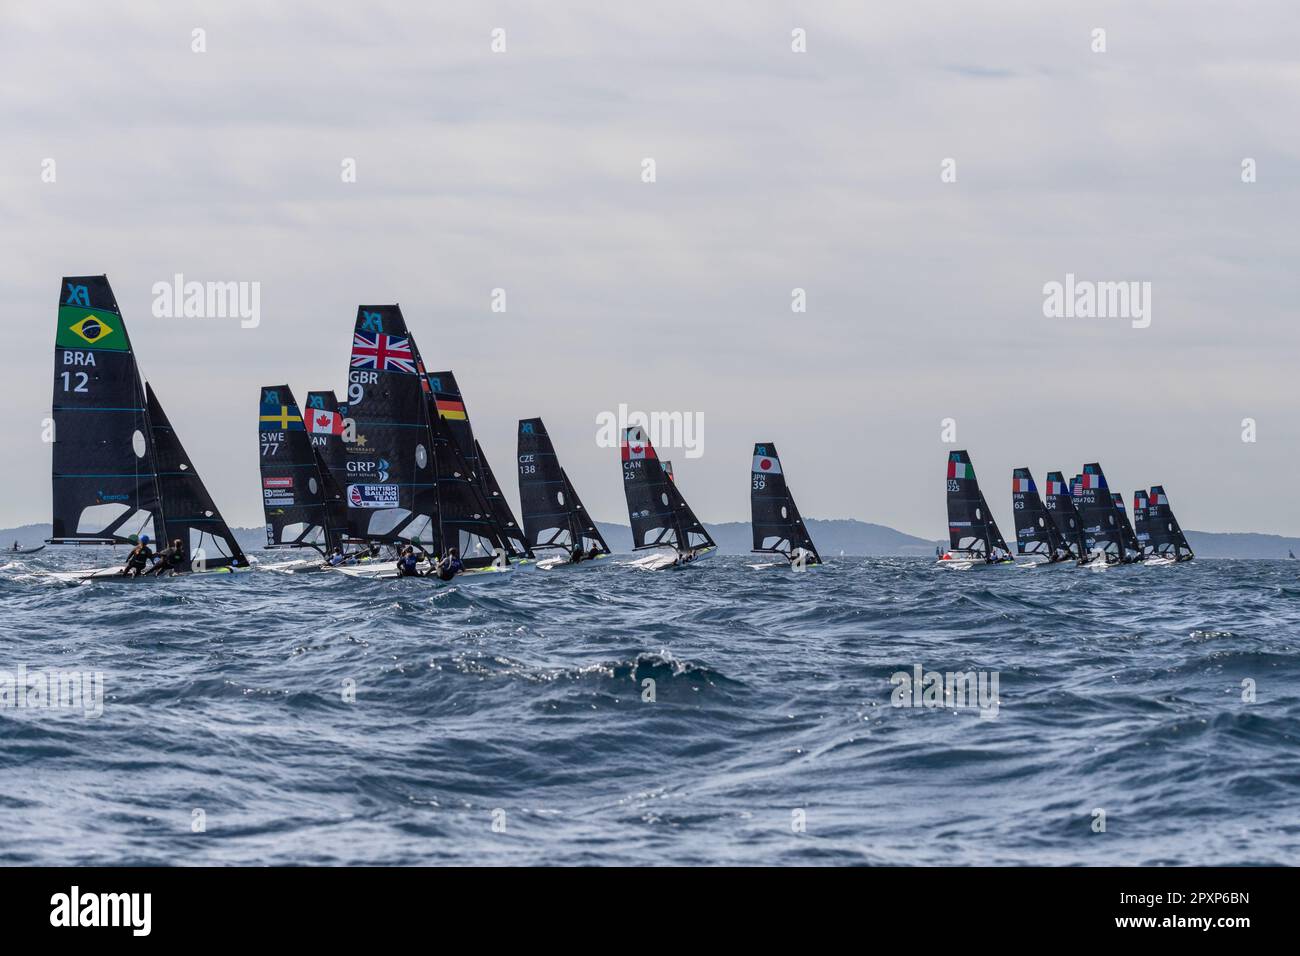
<point>1168,543</point>
<point>777,526</point>
<point>450,405</point>
<point>659,515</point>
<point>301,502</point>
<point>120,473</point>
<point>1059,502</point>
<point>974,541</point>
<point>1102,531</point>
<point>553,514</point>
<point>1037,534</point>
<point>1132,546</point>
<point>409,486</point>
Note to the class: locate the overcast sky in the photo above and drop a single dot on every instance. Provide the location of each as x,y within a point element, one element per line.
<point>775,170</point>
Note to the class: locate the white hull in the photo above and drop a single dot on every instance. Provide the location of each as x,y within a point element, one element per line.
<point>668,559</point>
<point>972,564</point>
<point>115,574</point>
<point>387,571</point>
<point>562,563</point>
<point>301,566</point>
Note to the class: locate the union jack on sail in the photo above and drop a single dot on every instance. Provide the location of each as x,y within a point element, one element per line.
<point>384,353</point>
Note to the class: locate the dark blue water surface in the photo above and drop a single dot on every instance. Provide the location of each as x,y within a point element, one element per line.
<point>504,723</point>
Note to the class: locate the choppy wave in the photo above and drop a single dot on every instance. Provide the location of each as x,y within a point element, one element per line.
<point>721,714</point>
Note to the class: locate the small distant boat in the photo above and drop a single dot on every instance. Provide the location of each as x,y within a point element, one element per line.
<point>974,541</point>
<point>554,516</point>
<point>1127,534</point>
<point>1059,503</point>
<point>119,470</point>
<point>1290,554</point>
<point>1167,538</point>
<point>659,515</point>
<point>1036,532</point>
<point>19,550</point>
<point>777,525</point>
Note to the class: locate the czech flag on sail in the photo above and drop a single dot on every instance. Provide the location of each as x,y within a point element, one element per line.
<point>384,353</point>
<point>1025,485</point>
<point>959,469</point>
<point>635,445</point>
<point>321,422</point>
<point>764,465</point>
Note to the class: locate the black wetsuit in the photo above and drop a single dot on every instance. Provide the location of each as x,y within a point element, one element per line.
<point>138,560</point>
<point>169,560</point>
<point>449,567</point>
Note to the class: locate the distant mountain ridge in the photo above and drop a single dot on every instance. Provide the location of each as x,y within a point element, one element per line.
<point>853,537</point>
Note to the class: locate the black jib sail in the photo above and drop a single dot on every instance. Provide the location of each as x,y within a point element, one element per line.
<point>554,516</point>
<point>450,407</point>
<point>1036,531</point>
<point>659,515</point>
<point>1101,525</point>
<point>118,469</point>
<point>1142,522</point>
<point>1059,501</point>
<point>189,513</point>
<point>1126,531</point>
<point>302,505</point>
<point>971,526</point>
<point>1167,538</point>
<point>777,525</point>
<point>391,490</point>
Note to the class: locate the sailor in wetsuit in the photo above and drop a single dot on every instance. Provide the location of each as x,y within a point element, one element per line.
<point>336,556</point>
<point>170,560</point>
<point>138,560</point>
<point>449,566</point>
<point>593,554</point>
<point>577,554</point>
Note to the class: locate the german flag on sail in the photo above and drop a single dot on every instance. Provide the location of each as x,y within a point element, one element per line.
<point>448,408</point>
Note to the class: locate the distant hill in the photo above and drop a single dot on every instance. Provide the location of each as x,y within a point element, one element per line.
<point>844,534</point>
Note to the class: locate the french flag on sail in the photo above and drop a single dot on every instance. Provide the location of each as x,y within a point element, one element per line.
<point>1056,487</point>
<point>1091,481</point>
<point>1019,485</point>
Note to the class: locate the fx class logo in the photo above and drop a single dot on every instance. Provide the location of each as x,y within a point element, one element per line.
<point>78,295</point>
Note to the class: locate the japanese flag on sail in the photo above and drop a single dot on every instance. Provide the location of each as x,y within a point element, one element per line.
<point>764,465</point>
<point>321,422</point>
<point>636,447</point>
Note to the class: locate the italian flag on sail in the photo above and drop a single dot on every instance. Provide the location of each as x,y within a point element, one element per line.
<point>960,469</point>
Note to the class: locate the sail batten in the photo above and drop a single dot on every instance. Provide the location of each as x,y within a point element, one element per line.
<point>971,525</point>
<point>777,526</point>
<point>553,514</point>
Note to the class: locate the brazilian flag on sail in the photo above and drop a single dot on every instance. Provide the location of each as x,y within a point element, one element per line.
<point>90,329</point>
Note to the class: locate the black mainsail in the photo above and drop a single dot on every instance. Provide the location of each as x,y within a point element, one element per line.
<point>1127,534</point>
<point>554,516</point>
<point>391,491</point>
<point>659,515</point>
<point>778,527</point>
<point>119,470</point>
<point>301,502</point>
<point>1059,502</point>
<point>1101,526</point>
<point>450,407</point>
<point>1167,538</point>
<point>1036,531</point>
<point>1142,522</point>
<point>971,526</point>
